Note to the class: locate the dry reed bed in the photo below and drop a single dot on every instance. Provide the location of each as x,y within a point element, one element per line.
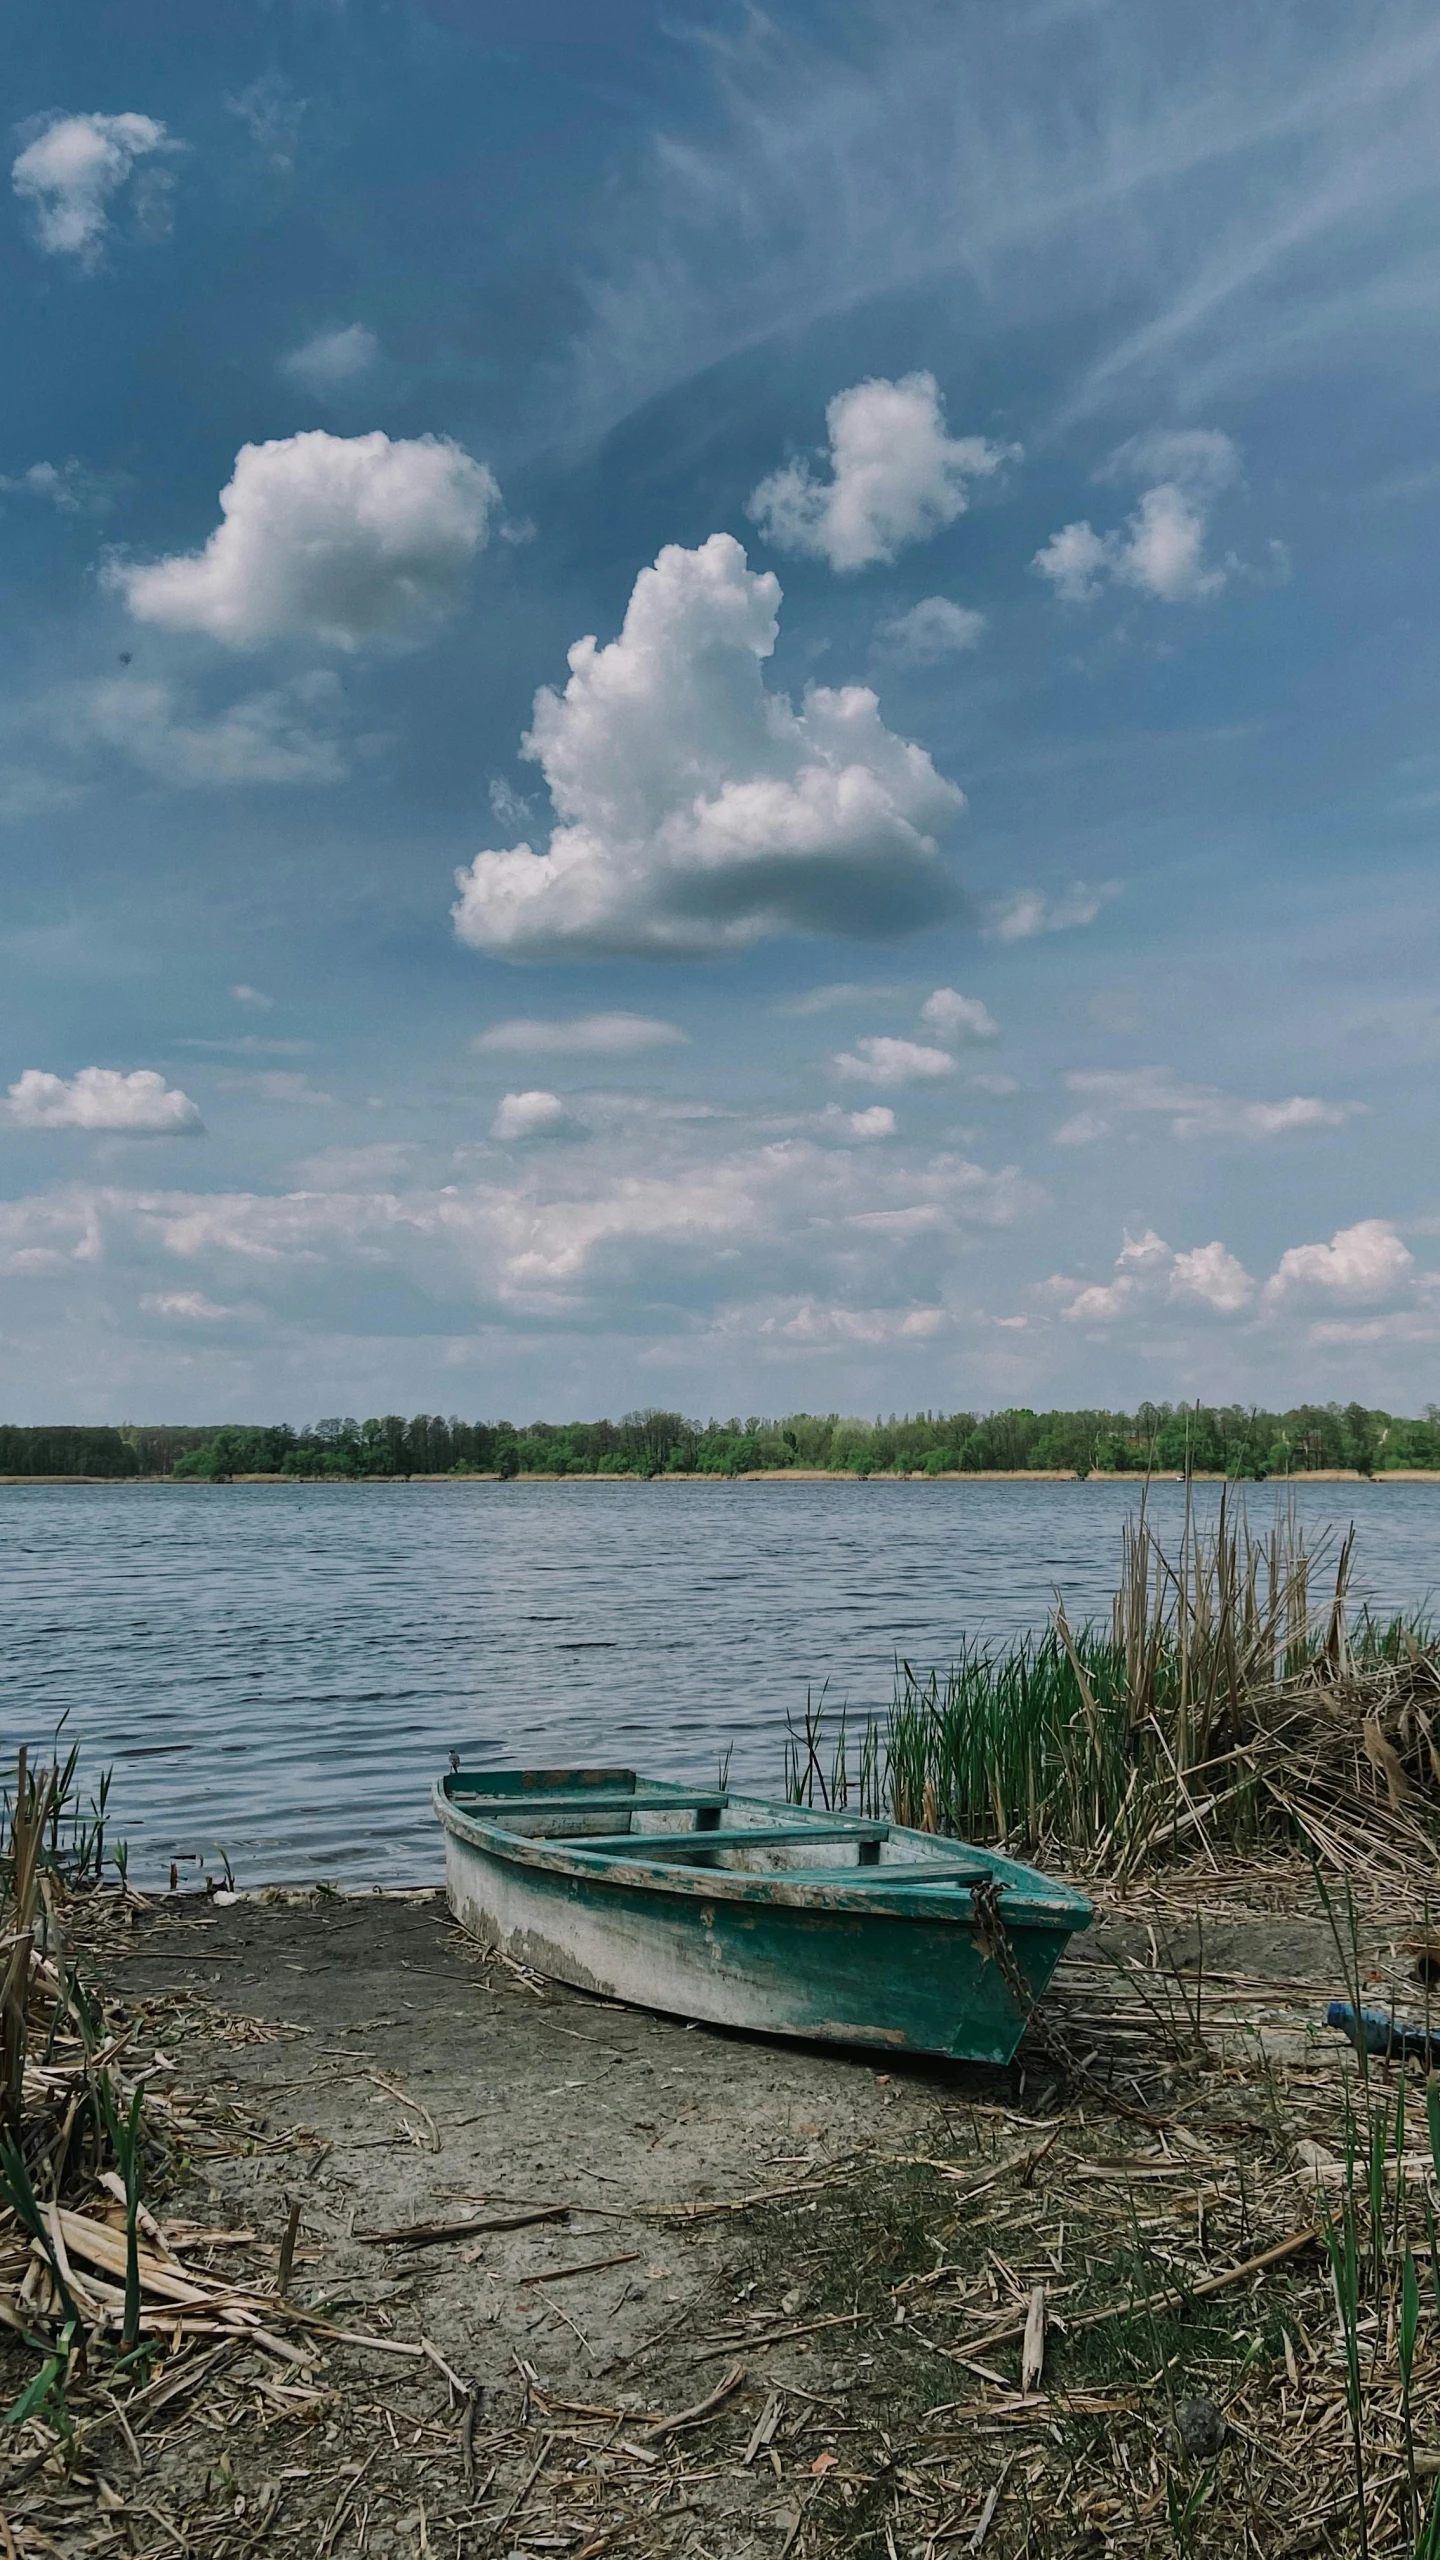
<point>995,2342</point>
<point>1237,1704</point>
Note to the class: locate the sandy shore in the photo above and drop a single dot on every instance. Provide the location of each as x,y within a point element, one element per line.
<point>693,2293</point>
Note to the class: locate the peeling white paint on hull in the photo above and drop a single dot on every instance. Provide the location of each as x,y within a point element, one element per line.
<point>878,1979</point>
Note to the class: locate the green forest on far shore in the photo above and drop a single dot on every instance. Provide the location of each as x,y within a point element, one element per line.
<point>1228,1440</point>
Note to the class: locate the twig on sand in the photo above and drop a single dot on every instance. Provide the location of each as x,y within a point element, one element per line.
<point>462,2390</point>
<point>765,2426</point>
<point>562,2314</point>
<point>345,2499</point>
<point>589,2267</point>
<point>403,2099</point>
<point>423,2235</point>
<point>701,2409</point>
<point>498,2523</point>
<point>781,2337</point>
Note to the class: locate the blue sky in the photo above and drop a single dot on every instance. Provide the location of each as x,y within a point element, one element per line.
<point>719,708</point>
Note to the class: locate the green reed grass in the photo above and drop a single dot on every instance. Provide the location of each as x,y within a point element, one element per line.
<point>1115,1744</point>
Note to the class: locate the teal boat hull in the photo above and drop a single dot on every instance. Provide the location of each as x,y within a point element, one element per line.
<point>790,1945</point>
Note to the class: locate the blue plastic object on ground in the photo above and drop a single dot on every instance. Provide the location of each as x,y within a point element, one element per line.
<point>1375,2031</point>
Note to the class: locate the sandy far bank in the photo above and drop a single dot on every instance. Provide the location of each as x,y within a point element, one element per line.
<point>772,1475</point>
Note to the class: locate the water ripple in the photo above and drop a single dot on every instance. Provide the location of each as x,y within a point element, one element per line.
<point>278,1672</point>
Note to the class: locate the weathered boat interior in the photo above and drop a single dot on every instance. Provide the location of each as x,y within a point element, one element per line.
<point>607,1815</point>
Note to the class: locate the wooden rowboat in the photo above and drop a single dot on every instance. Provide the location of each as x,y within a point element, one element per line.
<point>746,1913</point>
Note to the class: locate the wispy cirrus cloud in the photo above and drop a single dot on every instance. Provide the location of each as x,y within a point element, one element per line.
<point>273,114</point>
<point>582,1035</point>
<point>184,1306</point>
<point>1193,1110</point>
<point>1023,913</point>
<point>841,992</point>
<point>1218,211</point>
<point>288,735</point>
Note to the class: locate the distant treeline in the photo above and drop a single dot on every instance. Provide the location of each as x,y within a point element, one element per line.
<point>1230,1440</point>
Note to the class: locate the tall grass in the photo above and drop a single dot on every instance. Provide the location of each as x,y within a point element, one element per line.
<point>1234,1697</point>
<point>66,2114</point>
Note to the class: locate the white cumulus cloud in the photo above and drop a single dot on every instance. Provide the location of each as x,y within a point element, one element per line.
<point>1360,1263</point>
<point>896,476</point>
<point>892,1062</point>
<point>933,628</point>
<point>340,539</point>
<point>1368,1266</point>
<point>140,1105</point>
<point>1161,552</point>
<point>71,175</point>
<point>1211,1273</point>
<point>532,1115</point>
<point>1148,1273</point>
<point>877,1122</point>
<point>958,1017</point>
<point>698,812</point>
<point>332,359</point>
<point>584,1035</point>
<point>1074,560</point>
<point>1161,549</point>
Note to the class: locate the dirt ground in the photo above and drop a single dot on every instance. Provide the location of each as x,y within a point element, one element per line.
<point>840,2257</point>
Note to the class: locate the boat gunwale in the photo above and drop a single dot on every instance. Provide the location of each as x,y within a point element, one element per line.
<point>1056,1906</point>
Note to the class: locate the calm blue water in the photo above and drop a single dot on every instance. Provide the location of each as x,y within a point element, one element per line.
<point>282,1671</point>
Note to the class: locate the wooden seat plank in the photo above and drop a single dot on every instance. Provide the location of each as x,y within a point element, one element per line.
<point>664,1845</point>
<point>904,1874</point>
<point>649,1801</point>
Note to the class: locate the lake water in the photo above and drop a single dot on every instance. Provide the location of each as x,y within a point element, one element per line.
<point>280,1671</point>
